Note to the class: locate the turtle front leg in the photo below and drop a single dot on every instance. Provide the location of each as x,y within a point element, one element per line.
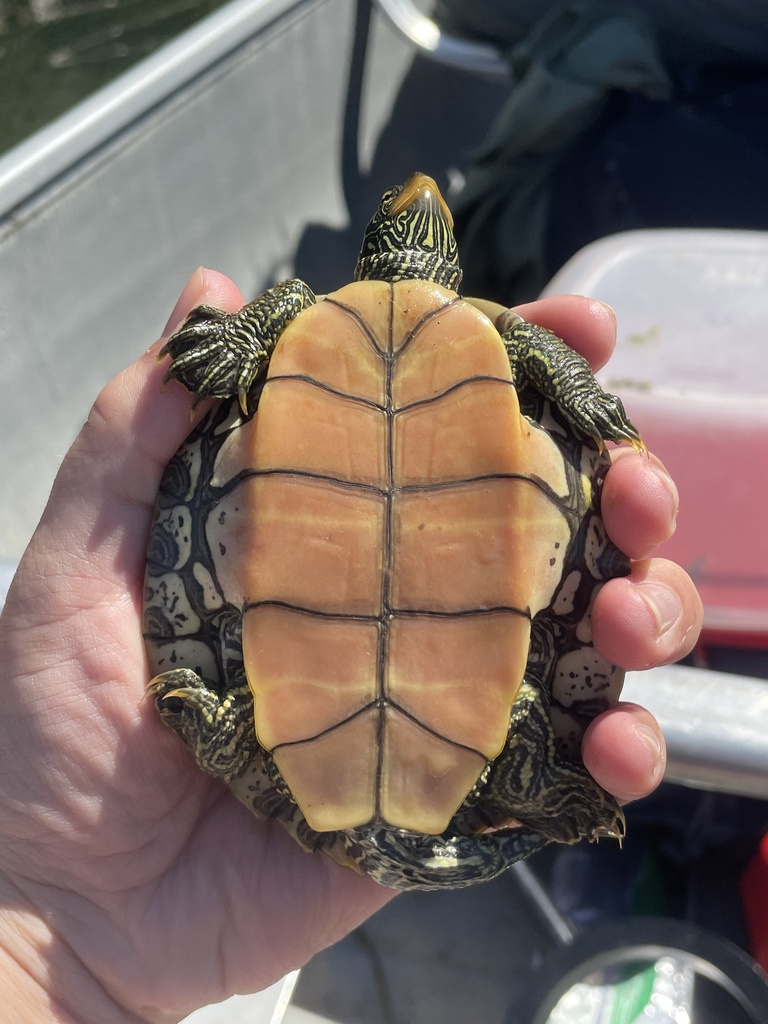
<point>218,729</point>
<point>220,355</point>
<point>541,360</point>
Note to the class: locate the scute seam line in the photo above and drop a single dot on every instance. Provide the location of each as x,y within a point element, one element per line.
<point>320,385</point>
<point>393,612</point>
<point>381,704</point>
<point>364,326</point>
<point>419,326</point>
<point>478,379</point>
<point>357,485</point>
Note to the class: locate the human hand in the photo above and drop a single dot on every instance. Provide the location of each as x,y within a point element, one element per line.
<point>651,617</point>
<point>137,888</point>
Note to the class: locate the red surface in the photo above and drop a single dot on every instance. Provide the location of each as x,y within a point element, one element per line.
<point>721,469</point>
<point>754,894</point>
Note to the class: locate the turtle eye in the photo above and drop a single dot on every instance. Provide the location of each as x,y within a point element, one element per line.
<point>388,198</point>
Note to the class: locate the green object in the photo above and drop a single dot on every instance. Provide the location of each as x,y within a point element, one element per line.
<point>54,55</point>
<point>631,996</point>
<point>575,58</point>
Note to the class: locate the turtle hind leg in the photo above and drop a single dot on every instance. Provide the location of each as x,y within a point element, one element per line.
<point>220,733</point>
<point>222,355</point>
<point>218,729</point>
<point>532,783</point>
<point>541,360</point>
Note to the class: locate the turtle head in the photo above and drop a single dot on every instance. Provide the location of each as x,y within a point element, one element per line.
<point>410,237</point>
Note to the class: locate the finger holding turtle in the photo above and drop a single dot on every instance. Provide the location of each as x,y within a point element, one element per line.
<point>639,507</point>
<point>651,617</point>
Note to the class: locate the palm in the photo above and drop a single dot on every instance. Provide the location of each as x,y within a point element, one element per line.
<point>142,838</point>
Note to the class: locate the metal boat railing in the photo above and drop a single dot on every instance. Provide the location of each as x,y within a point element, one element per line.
<point>430,40</point>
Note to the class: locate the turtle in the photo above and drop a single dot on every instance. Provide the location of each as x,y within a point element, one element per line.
<point>371,566</point>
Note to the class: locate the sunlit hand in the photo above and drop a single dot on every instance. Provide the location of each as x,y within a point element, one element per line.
<point>135,887</point>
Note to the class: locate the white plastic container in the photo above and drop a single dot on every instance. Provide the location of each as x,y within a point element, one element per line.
<point>692,368</point>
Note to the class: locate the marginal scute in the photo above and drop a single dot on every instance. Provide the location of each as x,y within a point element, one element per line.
<point>582,629</point>
<point>171,540</point>
<point>568,730</point>
<point>191,653</point>
<point>211,598</point>
<point>595,545</point>
<point>176,524</point>
<point>166,597</point>
<point>584,675</point>
<point>182,475</point>
<point>564,599</point>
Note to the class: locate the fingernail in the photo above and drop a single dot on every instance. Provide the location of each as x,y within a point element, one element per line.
<point>657,756</point>
<point>597,306</point>
<point>670,487</point>
<point>662,603</point>
<point>650,739</point>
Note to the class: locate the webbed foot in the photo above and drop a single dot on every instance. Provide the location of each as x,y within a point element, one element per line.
<point>541,360</point>
<point>531,782</point>
<point>218,729</point>
<point>221,355</point>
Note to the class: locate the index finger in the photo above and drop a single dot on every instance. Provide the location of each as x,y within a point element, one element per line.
<point>587,325</point>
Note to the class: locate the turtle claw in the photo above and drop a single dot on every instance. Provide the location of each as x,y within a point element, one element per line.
<point>214,354</point>
<point>635,442</point>
<point>631,436</point>
<point>638,444</point>
<point>616,830</point>
<point>182,692</point>
<point>616,426</point>
<point>601,417</point>
<point>180,682</point>
<point>218,729</point>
